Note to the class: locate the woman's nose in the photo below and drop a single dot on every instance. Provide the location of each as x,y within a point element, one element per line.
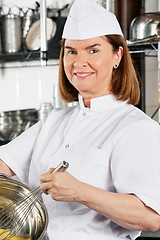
<point>80,61</point>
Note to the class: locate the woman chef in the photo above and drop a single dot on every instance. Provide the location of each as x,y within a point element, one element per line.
<point>111,189</point>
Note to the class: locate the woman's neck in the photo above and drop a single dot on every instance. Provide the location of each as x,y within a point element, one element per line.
<point>87,102</point>
<point>87,99</point>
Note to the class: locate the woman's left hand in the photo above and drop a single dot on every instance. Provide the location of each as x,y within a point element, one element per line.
<point>62,186</point>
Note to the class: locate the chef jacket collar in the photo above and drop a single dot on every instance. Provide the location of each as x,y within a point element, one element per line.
<point>102,104</point>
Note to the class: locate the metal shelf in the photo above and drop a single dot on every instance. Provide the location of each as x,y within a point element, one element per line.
<point>143,47</point>
<point>20,56</point>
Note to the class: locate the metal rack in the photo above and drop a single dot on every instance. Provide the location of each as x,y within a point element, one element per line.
<point>146,48</point>
<point>143,47</point>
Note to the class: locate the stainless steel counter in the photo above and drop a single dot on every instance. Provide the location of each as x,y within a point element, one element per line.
<point>151,234</point>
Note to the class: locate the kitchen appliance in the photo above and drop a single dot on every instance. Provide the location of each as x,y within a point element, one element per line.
<point>22,212</point>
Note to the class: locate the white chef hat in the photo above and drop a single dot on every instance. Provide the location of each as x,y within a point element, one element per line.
<point>87,19</point>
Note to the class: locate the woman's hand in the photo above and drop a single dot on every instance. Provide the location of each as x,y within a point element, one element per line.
<point>124,209</point>
<point>62,186</point>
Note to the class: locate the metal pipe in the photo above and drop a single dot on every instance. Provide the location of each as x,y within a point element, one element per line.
<point>107,4</point>
<point>43,33</point>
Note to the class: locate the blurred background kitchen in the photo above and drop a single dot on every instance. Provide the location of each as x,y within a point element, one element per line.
<point>30,34</point>
<point>29,64</point>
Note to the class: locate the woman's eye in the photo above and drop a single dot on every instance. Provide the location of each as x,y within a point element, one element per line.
<point>71,52</point>
<point>94,51</point>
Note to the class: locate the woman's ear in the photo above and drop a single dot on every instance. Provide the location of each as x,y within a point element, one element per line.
<point>118,57</point>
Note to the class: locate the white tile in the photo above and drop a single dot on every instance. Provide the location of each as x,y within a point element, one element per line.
<point>151,6</point>
<point>8,95</point>
<point>26,87</point>
<point>151,63</point>
<point>152,110</point>
<point>151,88</point>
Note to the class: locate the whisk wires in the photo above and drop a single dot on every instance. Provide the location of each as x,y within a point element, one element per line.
<point>14,216</point>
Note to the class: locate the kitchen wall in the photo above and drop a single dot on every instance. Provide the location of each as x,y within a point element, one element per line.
<point>26,85</point>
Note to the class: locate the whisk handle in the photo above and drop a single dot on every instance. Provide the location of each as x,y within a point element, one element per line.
<point>61,167</point>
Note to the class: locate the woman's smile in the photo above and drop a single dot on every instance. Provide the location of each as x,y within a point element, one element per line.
<point>83,75</point>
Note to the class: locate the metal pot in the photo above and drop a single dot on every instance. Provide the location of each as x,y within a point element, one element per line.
<point>12,191</point>
<point>29,17</point>
<point>145,25</point>
<point>13,123</point>
<point>11,32</point>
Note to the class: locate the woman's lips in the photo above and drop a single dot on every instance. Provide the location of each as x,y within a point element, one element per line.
<point>83,74</point>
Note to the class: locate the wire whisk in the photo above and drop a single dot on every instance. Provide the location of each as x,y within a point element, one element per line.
<point>15,214</point>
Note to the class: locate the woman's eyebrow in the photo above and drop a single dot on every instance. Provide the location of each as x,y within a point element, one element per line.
<point>94,45</point>
<point>91,46</point>
<point>68,47</point>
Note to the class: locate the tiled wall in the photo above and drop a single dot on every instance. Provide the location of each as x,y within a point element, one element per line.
<point>26,87</point>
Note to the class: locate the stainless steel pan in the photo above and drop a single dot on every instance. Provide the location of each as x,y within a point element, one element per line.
<point>145,26</point>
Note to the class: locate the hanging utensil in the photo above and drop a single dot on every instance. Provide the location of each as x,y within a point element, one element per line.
<point>33,38</point>
<point>27,20</point>
<point>11,32</point>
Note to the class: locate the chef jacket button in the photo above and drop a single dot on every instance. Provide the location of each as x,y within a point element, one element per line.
<point>84,113</point>
<point>67,146</point>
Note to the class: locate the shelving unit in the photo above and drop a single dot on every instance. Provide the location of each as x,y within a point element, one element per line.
<point>144,47</point>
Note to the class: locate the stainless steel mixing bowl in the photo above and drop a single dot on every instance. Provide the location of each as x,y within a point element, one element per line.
<point>12,191</point>
<point>145,25</point>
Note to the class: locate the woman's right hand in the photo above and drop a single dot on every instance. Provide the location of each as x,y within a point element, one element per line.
<point>62,186</point>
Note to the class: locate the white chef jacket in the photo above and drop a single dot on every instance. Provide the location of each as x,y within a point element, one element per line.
<point>112,145</point>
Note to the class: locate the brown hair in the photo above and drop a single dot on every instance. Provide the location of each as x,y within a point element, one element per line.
<point>124,83</point>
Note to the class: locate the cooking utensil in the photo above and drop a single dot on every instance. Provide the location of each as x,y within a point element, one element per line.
<point>13,123</point>
<point>145,25</point>
<point>18,216</point>
<point>11,32</point>
<point>12,191</point>
<point>29,17</point>
<point>32,40</point>
<point>45,110</point>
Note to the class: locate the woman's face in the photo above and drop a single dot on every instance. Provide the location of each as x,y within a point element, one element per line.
<point>89,64</point>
